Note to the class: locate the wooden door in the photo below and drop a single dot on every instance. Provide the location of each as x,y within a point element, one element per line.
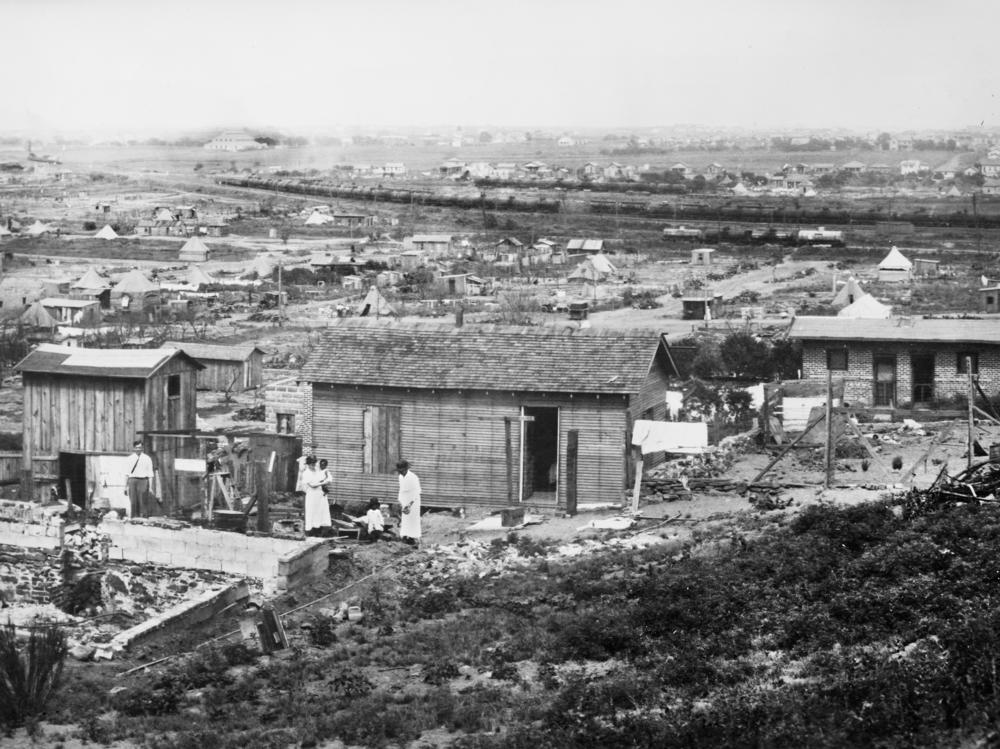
<point>884,366</point>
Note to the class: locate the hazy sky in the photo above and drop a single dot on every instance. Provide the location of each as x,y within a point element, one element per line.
<point>122,66</point>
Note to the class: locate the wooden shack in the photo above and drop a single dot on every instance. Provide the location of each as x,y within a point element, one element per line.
<point>80,403</point>
<point>73,311</point>
<point>486,415</point>
<point>225,368</point>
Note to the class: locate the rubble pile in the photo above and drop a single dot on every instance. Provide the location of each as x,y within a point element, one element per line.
<point>85,546</point>
<point>678,478</point>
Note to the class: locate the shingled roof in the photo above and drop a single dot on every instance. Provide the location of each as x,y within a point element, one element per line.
<point>49,358</point>
<point>353,352</point>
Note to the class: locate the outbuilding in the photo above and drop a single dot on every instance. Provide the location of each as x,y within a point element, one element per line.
<point>225,368</point>
<point>83,405</point>
<point>487,415</point>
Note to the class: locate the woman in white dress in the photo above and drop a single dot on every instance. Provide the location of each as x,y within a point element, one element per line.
<point>409,503</point>
<point>317,509</point>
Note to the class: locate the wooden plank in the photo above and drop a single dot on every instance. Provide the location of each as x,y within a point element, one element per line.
<point>572,466</point>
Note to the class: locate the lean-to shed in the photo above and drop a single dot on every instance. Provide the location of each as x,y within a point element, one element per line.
<point>486,415</point>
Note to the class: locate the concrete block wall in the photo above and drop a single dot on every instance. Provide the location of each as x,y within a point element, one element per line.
<point>859,378</point>
<point>281,563</point>
<point>284,395</point>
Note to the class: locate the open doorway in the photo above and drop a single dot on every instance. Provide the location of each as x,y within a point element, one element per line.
<point>73,474</point>
<point>541,454</point>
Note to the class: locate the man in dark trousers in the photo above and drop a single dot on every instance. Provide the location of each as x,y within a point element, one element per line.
<point>139,477</point>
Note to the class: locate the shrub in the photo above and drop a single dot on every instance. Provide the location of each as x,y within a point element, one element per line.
<point>29,678</point>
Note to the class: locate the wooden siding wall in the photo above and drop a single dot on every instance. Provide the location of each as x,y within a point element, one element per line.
<point>163,412</point>
<point>456,443</point>
<point>219,375</point>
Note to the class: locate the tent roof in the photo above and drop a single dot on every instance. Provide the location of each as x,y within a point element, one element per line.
<point>376,304</point>
<point>195,244</point>
<point>867,307</point>
<point>198,277</point>
<point>850,289</point>
<point>106,233</point>
<point>91,280</point>
<point>895,260</point>
<point>36,316</point>
<point>135,282</point>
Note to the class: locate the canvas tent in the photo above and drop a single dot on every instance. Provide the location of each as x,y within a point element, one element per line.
<point>194,251</point>
<point>318,219</point>
<point>197,277</point>
<point>90,281</point>
<point>894,267</point>
<point>134,291</point>
<point>866,308</point>
<point>375,305</point>
<point>106,233</point>
<point>595,268</point>
<point>37,229</point>
<point>262,266</point>
<point>847,294</point>
<point>36,316</point>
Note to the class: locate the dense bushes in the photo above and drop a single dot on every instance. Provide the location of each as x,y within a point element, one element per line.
<point>30,672</point>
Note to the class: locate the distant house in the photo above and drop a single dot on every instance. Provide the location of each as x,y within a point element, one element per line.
<point>683,170</point>
<point>434,245</point>
<point>909,167</point>
<point>714,170</point>
<point>225,367</point>
<point>926,268</point>
<point>886,363</point>
<point>702,256</point>
<point>989,299</point>
<point>394,169</point>
<point>853,167</point>
<point>990,169</point>
<point>590,246</point>
<point>700,304</point>
<point>234,140</point>
<point>488,416</point>
<point>82,312</point>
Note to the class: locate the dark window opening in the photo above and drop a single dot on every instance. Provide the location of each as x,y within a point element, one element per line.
<point>972,356</point>
<point>286,423</point>
<point>173,386</point>
<point>836,359</point>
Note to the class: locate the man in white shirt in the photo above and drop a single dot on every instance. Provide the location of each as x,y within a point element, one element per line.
<point>139,477</point>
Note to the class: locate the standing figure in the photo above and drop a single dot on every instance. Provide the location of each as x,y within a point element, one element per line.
<point>137,484</point>
<point>317,509</point>
<point>409,503</point>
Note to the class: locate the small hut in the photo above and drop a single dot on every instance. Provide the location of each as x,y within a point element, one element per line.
<point>106,233</point>
<point>73,311</point>
<point>702,256</point>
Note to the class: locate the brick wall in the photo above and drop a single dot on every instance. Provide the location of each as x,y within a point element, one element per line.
<point>281,563</point>
<point>858,379</point>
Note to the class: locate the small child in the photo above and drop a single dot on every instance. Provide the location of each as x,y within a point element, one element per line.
<point>374,520</point>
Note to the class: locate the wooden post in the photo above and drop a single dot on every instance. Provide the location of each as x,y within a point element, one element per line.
<point>509,448</point>
<point>765,416</point>
<point>572,452</point>
<point>637,488</point>
<point>972,404</point>
<point>263,492</point>
<point>785,450</point>
<point>829,429</point>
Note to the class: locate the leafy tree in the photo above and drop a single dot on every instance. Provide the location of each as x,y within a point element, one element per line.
<point>744,355</point>
<point>485,137</point>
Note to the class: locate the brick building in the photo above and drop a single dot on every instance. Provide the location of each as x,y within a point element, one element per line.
<point>900,361</point>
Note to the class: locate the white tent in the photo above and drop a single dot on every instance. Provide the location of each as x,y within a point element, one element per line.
<point>895,260</point>
<point>197,277</point>
<point>106,233</point>
<point>263,266</point>
<point>91,281</point>
<point>849,293</point>
<point>867,308</point>
<point>894,267</point>
<point>740,189</point>
<point>37,229</point>
<point>374,304</point>
<point>594,268</point>
<point>318,219</point>
<point>194,251</point>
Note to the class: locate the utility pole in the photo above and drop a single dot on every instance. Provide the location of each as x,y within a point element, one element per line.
<point>829,429</point>
<point>972,400</point>
<point>281,298</point>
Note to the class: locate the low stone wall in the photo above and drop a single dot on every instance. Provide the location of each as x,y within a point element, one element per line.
<point>282,564</point>
<point>30,525</point>
<point>28,575</point>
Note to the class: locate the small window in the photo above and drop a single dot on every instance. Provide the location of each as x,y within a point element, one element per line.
<point>836,359</point>
<point>990,299</point>
<point>174,386</point>
<point>962,356</point>
<point>286,423</point>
